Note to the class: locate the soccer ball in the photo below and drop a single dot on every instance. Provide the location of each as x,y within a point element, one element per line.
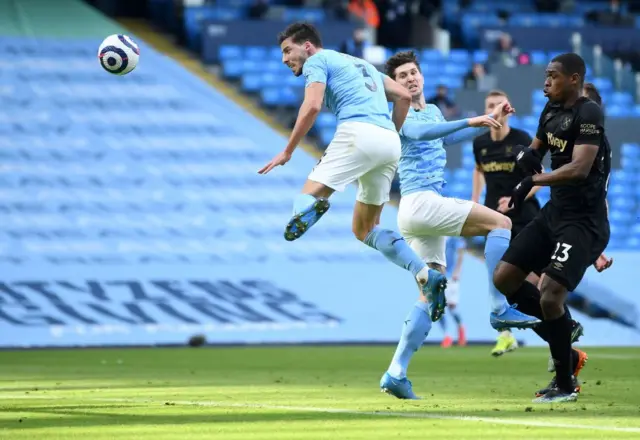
<point>118,54</point>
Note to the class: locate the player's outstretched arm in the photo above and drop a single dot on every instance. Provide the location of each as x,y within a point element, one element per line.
<point>451,132</point>
<point>309,110</point>
<point>400,98</point>
<point>479,125</point>
<point>311,106</point>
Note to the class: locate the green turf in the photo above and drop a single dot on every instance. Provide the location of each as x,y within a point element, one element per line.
<point>288,393</point>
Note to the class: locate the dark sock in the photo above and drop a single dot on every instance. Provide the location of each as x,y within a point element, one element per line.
<point>527,297</point>
<point>560,345</point>
<point>566,310</point>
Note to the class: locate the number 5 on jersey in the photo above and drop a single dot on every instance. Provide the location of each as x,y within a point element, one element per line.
<point>564,252</point>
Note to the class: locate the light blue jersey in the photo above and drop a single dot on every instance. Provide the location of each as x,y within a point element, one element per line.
<point>424,135</point>
<point>422,163</point>
<point>453,246</point>
<point>355,89</point>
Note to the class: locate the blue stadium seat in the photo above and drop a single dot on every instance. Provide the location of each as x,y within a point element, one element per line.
<point>456,70</point>
<point>631,150</point>
<point>275,53</point>
<point>304,14</point>
<point>618,111</point>
<point>620,98</point>
<point>326,120</point>
<point>472,21</point>
<point>604,85</point>
<point>539,57</point>
<point>431,56</point>
<point>232,69</point>
<point>461,56</point>
<point>480,56</point>
<point>257,53</point>
<point>280,96</point>
<point>230,52</point>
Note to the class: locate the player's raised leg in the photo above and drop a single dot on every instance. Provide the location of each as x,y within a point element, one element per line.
<point>308,207</point>
<point>383,147</point>
<point>497,228</point>
<point>416,325</point>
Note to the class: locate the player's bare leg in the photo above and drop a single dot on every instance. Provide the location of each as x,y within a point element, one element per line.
<point>309,206</point>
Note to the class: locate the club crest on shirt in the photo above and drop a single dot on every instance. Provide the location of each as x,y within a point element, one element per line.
<point>566,122</point>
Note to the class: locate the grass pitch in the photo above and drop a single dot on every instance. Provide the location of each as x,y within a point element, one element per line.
<point>307,393</point>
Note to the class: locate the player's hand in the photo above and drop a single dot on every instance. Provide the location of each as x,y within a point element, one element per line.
<point>455,277</point>
<point>529,160</point>
<point>280,159</point>
<point>503,205</point>
<point>502,110</point>
<point>520,192</point>
<point>603,263</point>
<point>484,121</point>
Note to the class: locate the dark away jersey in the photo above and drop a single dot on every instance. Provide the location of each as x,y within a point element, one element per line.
<point>497,160</point>
<point>560,130</point>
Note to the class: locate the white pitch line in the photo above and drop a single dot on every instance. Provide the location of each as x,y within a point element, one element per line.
<point>406,415</point>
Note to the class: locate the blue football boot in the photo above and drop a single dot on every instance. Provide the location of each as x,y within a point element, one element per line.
<point>434,290</point>
<point>511,318</point>
<point>400,388</point>
<point>302,221</point>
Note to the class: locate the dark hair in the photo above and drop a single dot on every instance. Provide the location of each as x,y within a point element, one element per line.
<point>572,63</point>
<point>593,93</point>
<point>301,32</point>
<point>398,60</point>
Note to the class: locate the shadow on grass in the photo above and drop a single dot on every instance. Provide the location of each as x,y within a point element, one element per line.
<point>95,415</point>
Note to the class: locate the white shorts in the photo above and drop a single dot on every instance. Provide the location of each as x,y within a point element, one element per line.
<point>363,152</point>
<point>452,293</point>
<point>425,218</point>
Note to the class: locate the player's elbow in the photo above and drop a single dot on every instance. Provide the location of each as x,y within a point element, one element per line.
<point>315,106</point>
<point>581,172</point>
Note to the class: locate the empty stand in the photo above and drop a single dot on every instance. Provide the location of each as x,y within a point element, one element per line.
<point>155,162</point>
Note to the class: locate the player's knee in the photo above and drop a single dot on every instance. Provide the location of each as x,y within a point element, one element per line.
<point>503,222</point>
<point>452,307</point>
<point>549,303</point>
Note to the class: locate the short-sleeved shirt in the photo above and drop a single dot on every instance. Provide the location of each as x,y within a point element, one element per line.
<point>560,130</point>
<point>497,160</point>
<point>354,88</point>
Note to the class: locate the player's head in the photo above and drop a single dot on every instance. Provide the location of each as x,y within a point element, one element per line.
<point>404,68</point>
<point>565,77</point>
<point>591,91</point>
<point>493,99</point>
<point>298,42</point>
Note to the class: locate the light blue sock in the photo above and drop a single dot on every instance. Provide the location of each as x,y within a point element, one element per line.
<point>443,324</point>
<point>301,202</point>
<point>415,330</point>
<point>393,246</point>
<point>495,247</point>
